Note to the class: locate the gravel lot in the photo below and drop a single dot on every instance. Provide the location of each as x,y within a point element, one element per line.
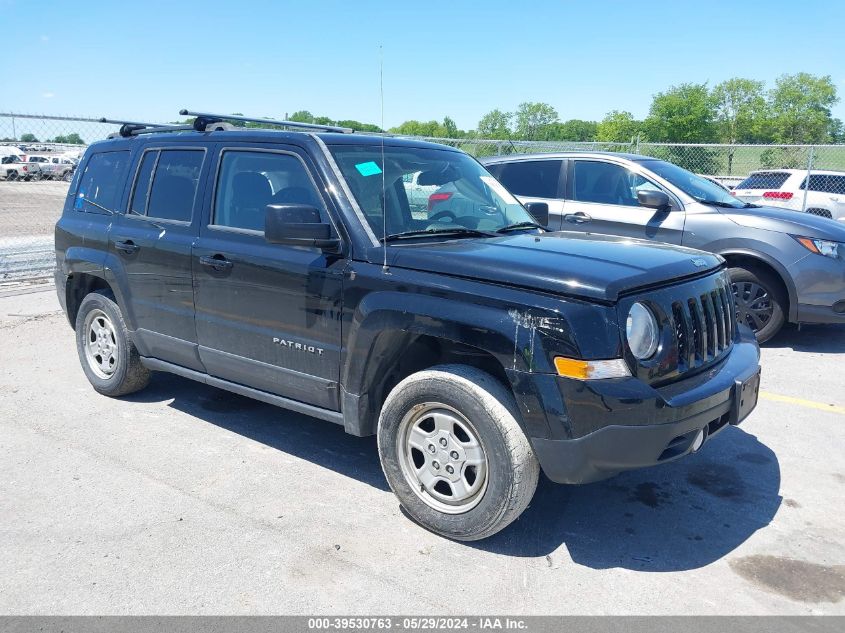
<point>30,208</point>
<point>185,499</point>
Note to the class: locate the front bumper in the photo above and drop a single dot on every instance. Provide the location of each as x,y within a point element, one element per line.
<point>634,425</point>
<point>821,289</point>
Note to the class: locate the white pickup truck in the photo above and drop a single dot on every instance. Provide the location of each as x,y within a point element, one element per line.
<point>13,168</point>
<point>53,167</point>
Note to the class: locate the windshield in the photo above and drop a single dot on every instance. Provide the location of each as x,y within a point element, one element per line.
<point>426,191</point>
<point>699,188</point>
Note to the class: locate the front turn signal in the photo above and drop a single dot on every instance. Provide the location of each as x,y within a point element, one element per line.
<point>591,369</point>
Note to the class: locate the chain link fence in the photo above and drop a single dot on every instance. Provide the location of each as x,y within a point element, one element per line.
<point>808,178</point>
<point>38,155</point>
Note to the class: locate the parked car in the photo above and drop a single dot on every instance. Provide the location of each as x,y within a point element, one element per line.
<point>290,267</point>
<point>822,194</point>
<point>13,168</point>
<point>785,266</point>
<point>418,195</point>
<point>53,167</point>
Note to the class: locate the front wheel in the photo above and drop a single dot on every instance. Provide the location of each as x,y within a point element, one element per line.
<point>759,300</point>
<point>454,454</point>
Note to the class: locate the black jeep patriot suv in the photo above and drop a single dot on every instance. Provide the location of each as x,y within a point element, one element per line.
<point>396,288</point>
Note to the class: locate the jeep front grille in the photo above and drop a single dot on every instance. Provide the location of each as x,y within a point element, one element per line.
<point>704,327</point>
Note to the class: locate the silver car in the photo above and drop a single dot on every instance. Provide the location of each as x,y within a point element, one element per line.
<point>785,265</point>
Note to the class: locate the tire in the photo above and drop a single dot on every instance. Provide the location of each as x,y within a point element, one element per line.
<point>474,417</point>
<point>109,358</point>
<point>760,301</point>
<point>12,175</point>
<point>67,176</point>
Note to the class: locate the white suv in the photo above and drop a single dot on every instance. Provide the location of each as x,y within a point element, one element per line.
<point>786,188</point>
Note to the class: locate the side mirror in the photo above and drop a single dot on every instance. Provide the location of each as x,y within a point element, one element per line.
<point>539,211</point>
<point>654,199</point>
<point>297,225</point>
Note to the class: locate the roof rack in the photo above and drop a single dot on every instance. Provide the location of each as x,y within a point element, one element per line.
<point>204,119</point>
<point>133,128</point>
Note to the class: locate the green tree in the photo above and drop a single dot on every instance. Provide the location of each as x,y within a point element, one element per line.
<point>28,138</point>
<point>617,126</point>
<point>357,125</point>
<point>72,139</point>
<point>683,114</point>
<point>495,124</point>
<point>740,110</point>
<point>837,131</point>
<point>533,120</point>
<point>451,127</point>
<point>800,108</point>
<point>572,130</point>
<point>303,116</point>
<point>420,128</point>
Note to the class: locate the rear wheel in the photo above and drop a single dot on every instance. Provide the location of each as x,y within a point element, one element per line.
<point>759,300</point>
<point>454,454</point>
<point>12,175</point>
<point>109,358</point>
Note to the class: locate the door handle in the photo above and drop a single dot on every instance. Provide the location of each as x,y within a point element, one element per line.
<point>577,218</point>
<point>126,246</point>
<point>217,262</point>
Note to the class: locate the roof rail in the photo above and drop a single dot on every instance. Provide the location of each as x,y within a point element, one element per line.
<point>204,118</point>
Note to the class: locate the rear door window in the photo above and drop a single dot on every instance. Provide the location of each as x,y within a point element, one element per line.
<point>101,184</point>
<point>531,178</point>
<point>166,184</point>
<point>764,180</point>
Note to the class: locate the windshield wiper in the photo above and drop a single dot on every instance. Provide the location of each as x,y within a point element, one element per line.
<point>749,205</point>
<point>719,203</point>
<point>98,206</point>
<point>404,235</point>
<point>520,225</point>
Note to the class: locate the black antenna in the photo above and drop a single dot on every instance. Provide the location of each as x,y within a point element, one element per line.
<point>384,266</point>
<point>204,118</point>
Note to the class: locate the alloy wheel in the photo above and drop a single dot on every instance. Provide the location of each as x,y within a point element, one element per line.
<point>101,348</point>
<point>754,305</point>
<point>442,458</point>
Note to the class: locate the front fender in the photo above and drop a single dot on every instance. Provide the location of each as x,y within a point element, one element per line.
<point>523,340</point>
<point>758,251</point>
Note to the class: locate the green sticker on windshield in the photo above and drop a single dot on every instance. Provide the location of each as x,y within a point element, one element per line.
<point>368,169</point>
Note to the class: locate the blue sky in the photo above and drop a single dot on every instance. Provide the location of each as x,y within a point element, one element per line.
<point>453,58</point>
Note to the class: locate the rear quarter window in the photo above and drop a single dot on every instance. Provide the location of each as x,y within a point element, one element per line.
<point>764,180</point>
<point>101,184</point>
<point>825,183</point>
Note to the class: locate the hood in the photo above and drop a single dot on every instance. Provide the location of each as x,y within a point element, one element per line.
<point>588,265</point>
<point>787,221</point>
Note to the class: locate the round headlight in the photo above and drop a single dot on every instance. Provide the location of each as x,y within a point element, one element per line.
<point>641,331</point>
